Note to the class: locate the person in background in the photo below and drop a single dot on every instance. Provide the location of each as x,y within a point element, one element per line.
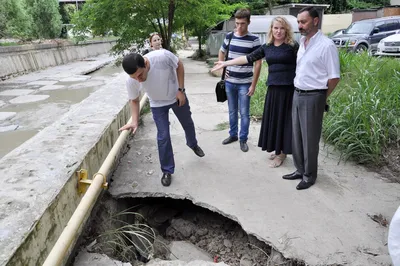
<point>317,75</point>
<point>241,83</point>
<point>161,75</point>
<point>155,43</point>
<point>280,52</point>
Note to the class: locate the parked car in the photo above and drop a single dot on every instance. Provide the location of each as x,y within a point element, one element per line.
<point>390,45</point>
<point>364,35</point>
<point>336,33</point>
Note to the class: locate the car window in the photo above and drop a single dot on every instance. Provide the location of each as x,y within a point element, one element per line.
<point>381,26</point>
<point>392,25</point>
<point>360,28</point>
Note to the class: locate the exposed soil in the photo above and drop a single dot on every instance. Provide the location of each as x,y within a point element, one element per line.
<point>178,220</point>
<point>390,167</point>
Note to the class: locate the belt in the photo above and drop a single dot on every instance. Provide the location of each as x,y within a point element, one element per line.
<point>308,91</point>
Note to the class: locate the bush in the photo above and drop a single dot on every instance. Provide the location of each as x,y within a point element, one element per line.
<point>364,117</point>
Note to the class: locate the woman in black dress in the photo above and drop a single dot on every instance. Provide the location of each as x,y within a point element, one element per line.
<point>280,52</point>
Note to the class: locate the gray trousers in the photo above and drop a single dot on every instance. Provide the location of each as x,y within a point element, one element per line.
<point>307,113</point>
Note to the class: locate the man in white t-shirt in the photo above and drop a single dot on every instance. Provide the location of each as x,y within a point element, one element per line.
<point>161,75</point>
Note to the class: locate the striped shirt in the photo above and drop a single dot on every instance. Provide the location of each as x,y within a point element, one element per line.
<point>240,45</point>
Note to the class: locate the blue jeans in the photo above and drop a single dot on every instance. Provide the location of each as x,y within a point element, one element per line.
<point>161,119</point>
<point>238,101</point>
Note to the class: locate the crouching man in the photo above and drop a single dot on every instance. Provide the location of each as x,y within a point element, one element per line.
<point>161,75</point>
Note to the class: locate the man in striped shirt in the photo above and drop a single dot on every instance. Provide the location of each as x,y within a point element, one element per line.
<point>241,82</point>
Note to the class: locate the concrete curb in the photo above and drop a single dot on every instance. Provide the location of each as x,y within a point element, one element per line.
<point>39,186</point>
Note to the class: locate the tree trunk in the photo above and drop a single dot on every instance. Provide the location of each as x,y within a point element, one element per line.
<point>171,13</point>
<point>199,40</point>
<point>269,3</point>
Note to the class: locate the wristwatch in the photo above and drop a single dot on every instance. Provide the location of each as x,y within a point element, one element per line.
<point>182,90</point>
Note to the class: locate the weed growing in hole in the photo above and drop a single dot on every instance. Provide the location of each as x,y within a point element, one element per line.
<point>365,108</point>
<point>128,241</point>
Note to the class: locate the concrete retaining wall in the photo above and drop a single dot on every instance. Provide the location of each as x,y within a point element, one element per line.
<point>333,22</point>
<point>39,185</point>
<point>16,60</point>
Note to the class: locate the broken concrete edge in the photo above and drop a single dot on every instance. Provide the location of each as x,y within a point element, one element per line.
<point>283,253</point>
<point>44,168</point>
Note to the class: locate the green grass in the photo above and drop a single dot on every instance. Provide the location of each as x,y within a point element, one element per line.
<point>222,126</point>
<point>8,43</point>
<point>364,118</point>
<point>258,99</point>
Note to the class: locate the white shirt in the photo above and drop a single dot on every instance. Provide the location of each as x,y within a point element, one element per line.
<point>316,63</point>
<point>394,238</point>
<point>161,84</point>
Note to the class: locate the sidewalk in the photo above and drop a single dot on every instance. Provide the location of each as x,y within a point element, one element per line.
<point>324,225</point>
<point>31,102</point>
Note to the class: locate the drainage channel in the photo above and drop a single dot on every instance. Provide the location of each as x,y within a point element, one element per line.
<point>152,231</point>
<point>29,117</point>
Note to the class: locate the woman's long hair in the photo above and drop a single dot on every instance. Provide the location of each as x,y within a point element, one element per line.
<point>289,39</point>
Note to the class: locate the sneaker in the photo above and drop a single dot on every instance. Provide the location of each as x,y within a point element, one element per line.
<point>166,179</point>
<point>243,146</point>
<point>198,151</point>
<point>229,140</point>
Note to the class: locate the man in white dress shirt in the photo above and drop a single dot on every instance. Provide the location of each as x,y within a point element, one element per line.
<point>161,74</point>
<point>317,74</point>
<point>394,238</point>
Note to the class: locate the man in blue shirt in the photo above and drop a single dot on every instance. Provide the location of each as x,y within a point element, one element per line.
<point>241,82</point>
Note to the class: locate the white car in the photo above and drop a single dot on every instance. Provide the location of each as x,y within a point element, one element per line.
<point>390,45</point>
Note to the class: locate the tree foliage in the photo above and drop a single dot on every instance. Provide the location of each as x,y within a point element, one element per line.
<point>14,19</point>
<point>133,21</point>
<point>46,18</point>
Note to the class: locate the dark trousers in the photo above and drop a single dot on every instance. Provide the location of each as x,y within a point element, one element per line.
<point>161,118</point>
<point>307,114</point>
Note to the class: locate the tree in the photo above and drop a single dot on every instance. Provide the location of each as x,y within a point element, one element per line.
<point>133,21</point>
<point>46,18</point>
<point>207,13</point>
<point>14,20</point>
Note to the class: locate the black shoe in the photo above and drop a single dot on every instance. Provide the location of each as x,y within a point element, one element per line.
<point>166,179</point>
<point>198,151</point>
<point>304,185</point>
<point>243,146</point>
<point>230,140</point>
<point>293,176</point>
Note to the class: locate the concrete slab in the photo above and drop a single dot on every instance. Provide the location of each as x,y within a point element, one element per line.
<point>8,128</point>
<point>158,262</point>
<point>29,99</point>
<point>325,225</point>
<point>51,87</point>
<point>87,84</point>
<point>2,103</point>
<point>6,115</point>
<point>42,82</point>
<point>186,251</point>
<point>16,92</point>
<point>75,78</point>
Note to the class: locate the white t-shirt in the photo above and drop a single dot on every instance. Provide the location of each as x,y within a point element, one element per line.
<point>394,238</point>
<point>161,84</point>
<point>317,63</point>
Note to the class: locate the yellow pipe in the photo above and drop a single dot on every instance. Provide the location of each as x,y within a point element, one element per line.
<point>70,232</point>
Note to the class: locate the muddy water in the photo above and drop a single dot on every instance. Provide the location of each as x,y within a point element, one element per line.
<point>32,117</point>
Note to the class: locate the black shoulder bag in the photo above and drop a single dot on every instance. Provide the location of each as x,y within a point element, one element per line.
<point>220,88</point>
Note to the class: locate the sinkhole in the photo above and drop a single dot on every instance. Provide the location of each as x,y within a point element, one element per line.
<point>139,230</point>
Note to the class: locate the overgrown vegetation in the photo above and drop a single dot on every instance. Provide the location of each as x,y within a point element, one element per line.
<point>364,118</point>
